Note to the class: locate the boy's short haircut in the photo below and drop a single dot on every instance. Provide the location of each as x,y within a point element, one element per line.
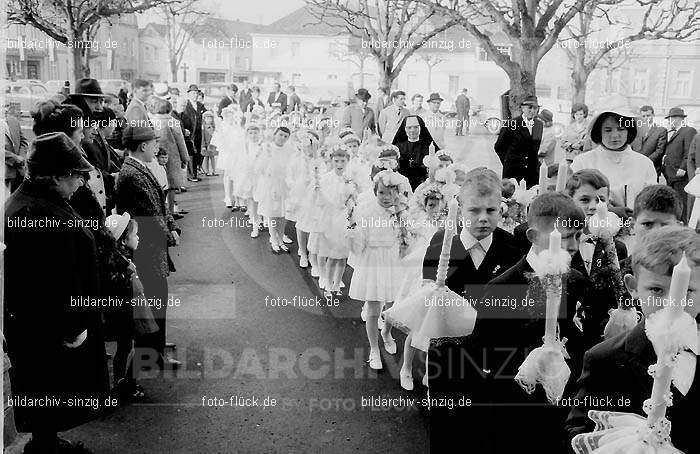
<point>396,94</point>
<point>661,249</point>
<point>417,95</point>
<point>591,177</point>
<point>659,198</point>
<point>482,182</point>
<point>283,129</point>
<point>551,207</point>
<point>141,83</point>
<point>162,152</point>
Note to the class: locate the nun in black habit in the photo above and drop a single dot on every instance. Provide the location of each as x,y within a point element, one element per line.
<point>413,140</point>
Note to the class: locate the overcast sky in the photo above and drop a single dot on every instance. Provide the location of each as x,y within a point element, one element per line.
<point>255,11</point>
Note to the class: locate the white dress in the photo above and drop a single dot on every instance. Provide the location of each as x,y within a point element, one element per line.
<point>298,178</point>
<point>228,140</point>
<point>310,215</point>
<point>246,179</point>
<point>625,169</point>
<point>272,186</point>
<point>375,242</point>
<point>332,241</point>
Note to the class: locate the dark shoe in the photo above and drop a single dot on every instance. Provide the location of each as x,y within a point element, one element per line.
<point>193,180</point>
<point>182,211</point>
<point>183,189</point>
<point>170,345</point>
<point>177,216</point>
<point>129,390</point>
<point>235,208</point>
<point>172,363</point>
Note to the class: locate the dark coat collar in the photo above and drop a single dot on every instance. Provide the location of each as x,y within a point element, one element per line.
<point>638,344</point>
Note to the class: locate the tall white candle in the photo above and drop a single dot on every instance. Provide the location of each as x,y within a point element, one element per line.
<point>662,381</point>
<point>679,285</point>
<point>562,175</point>
<point>543,178</point>
<point>554,242</point>
<point>450,228</point>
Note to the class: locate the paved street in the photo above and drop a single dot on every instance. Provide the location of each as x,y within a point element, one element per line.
<point>236,342</point>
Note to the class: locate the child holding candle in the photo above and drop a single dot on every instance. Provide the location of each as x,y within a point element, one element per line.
<point>598,253</point>
<point>511,320</point>
<point>615,372</point>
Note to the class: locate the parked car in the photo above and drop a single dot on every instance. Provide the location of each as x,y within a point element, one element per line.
<point>23,95</point>
<point>54,86</point>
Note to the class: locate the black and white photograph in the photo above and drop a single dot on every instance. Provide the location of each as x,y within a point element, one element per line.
<point>350,226</point>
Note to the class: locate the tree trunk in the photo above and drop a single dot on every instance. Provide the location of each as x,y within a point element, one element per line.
<point>386,78</point>
<point>81,68</point>
<point>579,80</point>
<point>522,85</point>
<point>173,70</point>
<point>362,72</point>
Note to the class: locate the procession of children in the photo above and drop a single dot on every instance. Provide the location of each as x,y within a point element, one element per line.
<point>543,307</point>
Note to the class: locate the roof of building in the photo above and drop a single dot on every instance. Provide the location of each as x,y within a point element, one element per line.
<point>222,28</point>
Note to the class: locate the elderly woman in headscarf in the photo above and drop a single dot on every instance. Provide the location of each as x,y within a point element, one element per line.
<point>413,140</point>
<point>627,170</point>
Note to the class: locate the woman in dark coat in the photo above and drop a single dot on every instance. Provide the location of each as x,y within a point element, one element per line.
<point>54,342</point>
<point>413,140</point>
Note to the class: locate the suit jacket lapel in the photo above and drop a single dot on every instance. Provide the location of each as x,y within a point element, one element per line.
<point>523,127</point>
<point>641,354</point>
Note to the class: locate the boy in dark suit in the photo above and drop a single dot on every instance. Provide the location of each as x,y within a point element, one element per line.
<point>587,187</point>
<point>140,195</point>
<point>615,372</point>
<point>502,417</point>
<point>480,252</point>
<point>675,160</point>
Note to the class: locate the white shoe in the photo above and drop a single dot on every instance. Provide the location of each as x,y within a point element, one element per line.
<point>322,284</point>
<point>314,272</point>
<point>255,233</point>
<point>228,203</point>
<point>406,380</point>
<point>363,314</point>
<point>342,284</point>
<point>425,380</point>
<point>375,360</point>
<point>286,240</point>
<point>303,262</point>
<point>389,345</point>
<point>380,323</point>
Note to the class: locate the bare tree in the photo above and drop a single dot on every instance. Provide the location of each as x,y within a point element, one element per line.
<point>660,19</point>
<point>74,23</point>
<point>612,62</point>
<point>392,30</point>
<point>354,53</point>
<point>183,22</point>
<point>431,60</point>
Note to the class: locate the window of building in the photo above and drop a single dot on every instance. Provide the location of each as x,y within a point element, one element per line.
<point>217,57</point>
<point>453,85</point>
<point>238,60</point>
<point>482,54</point>
<point>640,81</point>
<point>564,93</point>
<point>332,77</point>
<point>133,48</point>
<point>295,48</point>
<point>682,87</point>
<point>274,51</point>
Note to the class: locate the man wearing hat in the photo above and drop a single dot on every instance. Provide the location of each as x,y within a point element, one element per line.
<point>54,342</point>
<point>675,160</point>
<point>358,116</point>
<point>140,194</point>
<point>518,143</point>
<point>293,100</point>
<point>90,99</point>
<point>136,112</point>
<point>193,114</point>
<point>434,120</point>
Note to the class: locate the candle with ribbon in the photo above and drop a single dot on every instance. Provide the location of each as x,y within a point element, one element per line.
<point>543,178</point>
<point>553,297</point>
<point>562,175</point>
<point>680,280</point>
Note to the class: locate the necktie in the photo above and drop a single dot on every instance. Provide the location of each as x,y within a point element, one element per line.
<point>477,254</point>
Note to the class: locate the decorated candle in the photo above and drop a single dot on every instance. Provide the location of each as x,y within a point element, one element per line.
<point>543,178</point>
<point>562,175</point>
<point>554,291</point>
<point>662,378</point>
<point>450,228</point>
<point>431,149</point>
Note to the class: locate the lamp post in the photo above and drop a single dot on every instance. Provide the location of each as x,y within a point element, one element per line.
<point>184,68</point>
